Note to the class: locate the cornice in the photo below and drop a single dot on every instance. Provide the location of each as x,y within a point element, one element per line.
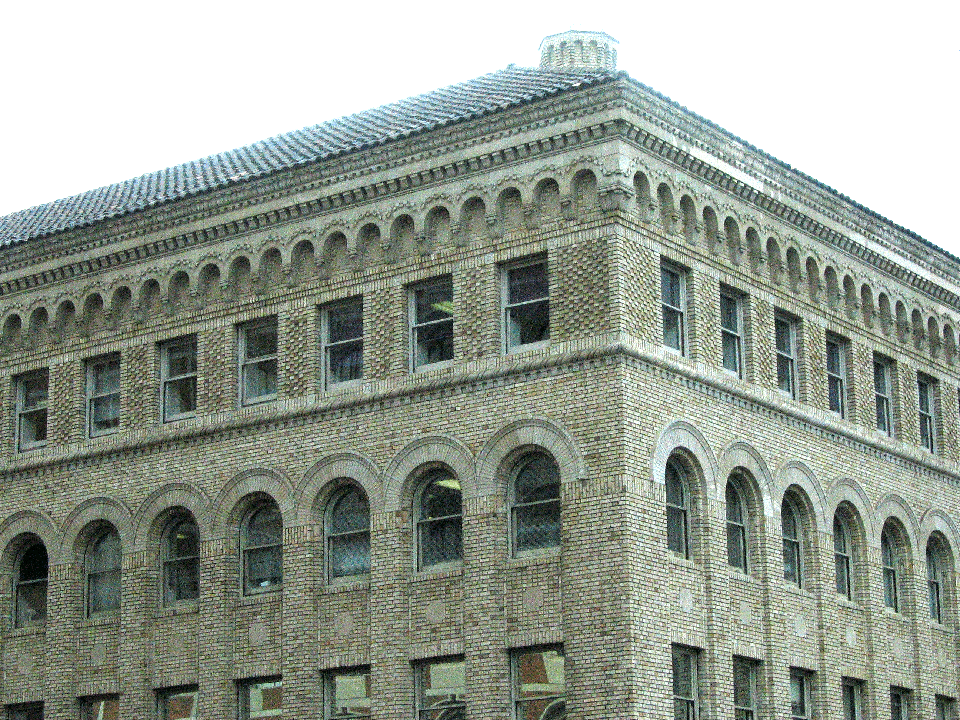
<point>604,350</point>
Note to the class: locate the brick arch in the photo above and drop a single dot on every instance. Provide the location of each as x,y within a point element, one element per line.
<point>226,508</point>
<point>744,457</point>
<point>169,496</point>
<point>400,477</point>
<point>937,521</point>
<point>848,491</point>
<point>684,436</point>
<point>353,466</point>
<point>542,433</point>
<point>798,474</point>
<point>894,506</point>
<point>23,523</point>
<point>76,527</point>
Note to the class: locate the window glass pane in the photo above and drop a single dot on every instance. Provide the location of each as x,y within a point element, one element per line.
<point>100,708</point>
<point>104,591</point>
<point>264,567</point>
<point>538,478</point>
<point>798,696</point>
<point>441,541</point>
<point>683,674</point>
<point>265,700</point>
<point>183,541</point>
<point>528,282</point>
<point>676,530</point>
<point>537,526</point>
<point>345,322</point>
<point>350,513</point>
<point>182,579</point>
<point>350,555</point>
<point>880,378</point>
<point>736,547</point>
<point>106,412</point>
<point>180,396</point>
<point>441,497</point>
<point>674,486</point>
<point>261,340</point>
<point>729,315</point>
<point>180,705</point>
<point>670,287</point>
<point>742,684</point>
<point>350,695</point>
<point>528,323</point>
<point>833,358</point>
<point>734,506</point>
<point>31,603</point>
<point>434,301</point>
<point>345,362</point>
<point>104,553</point>
<point>784,336</point>
<point>260,379</point>
<point>434,343</point>
<point>442,689</point>
<point>106,377</point>
<point>181,359</point>
<point>265,526</point>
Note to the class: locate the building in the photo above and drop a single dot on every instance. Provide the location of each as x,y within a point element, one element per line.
<point>538,396</point>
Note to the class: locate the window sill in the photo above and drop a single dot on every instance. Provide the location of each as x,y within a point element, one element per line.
<point>896,615</point>
<point>438,572</point>
<point>351,584</point>
<point>940,627</point>
<point>257,401</point>
<point>182,607</point>
<point>36,630</point>
<point>797,590</point>
<point>532,558</point>
<point>441,365</point>
<point>273,595</point>
<point>178,418</point>
<point>108,617</point>
<point>529,347</point>
<point>848,603</point>
<point>739,575</point>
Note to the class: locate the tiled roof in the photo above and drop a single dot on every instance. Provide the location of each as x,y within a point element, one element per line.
<point>486,94</point>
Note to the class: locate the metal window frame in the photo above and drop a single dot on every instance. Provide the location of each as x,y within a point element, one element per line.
<point>169,561</point>
<point>855,687</point>
<point>883,400</point>
<point>805,677</point>
<point>739,527</point>
<point>246,549</point>
<point>840,376</point>
<point>244,361</point>
<point>22,409</point>
<point>927,411</point>
<point>426,480</point>
<point>243,692</point>
<point>692,703</point>
<point>327,345</point>
<point>187,341</point>
<point>681,312</point>
<point>95,366</point>
<point>418,683</point>
<point>330,536</point>
<point>753,667</point>
<point>736,334</point>
<point>843,557</point>
<point>791,356</point>
<point>507,305</point>
<point>888,562</point>
<point>329,693</point>
<point>795,543</point>
<point>415,325</point>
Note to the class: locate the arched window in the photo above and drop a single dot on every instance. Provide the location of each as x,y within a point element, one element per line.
<point>736,528</point>
<point>348,534</point>
<point>792,543</point>
<point>440,520</point>
<point>535,505</point>
<point>31,585</point>
<point>180,550</point>
<point>261,539</point>
<point>889,560</point>
<point>103,572</point>
<point>842,556</point>
<point>936,567</point>
<point>678,521</point>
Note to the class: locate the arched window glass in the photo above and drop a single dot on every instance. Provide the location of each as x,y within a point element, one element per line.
<point>103,572</point>
<point>677,510</point>
<point>440,520</point>
<point>736,529</point>
<point>888,558</point>
<point>181,561</point>
<point>262,544</point>
<point>536,504</point>
<point>934,582</point>
<point>31,586</point>
<point>841,556</point>
<point>348,534</point>
<point>792,544</point>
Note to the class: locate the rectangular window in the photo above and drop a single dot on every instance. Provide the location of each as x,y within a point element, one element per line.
<point>899,703</point>
<point>30,711</point>
<point>539,687</point>
<point>32,399</point>
<point>927,405</point>
<point>440,687</point>
<point>431,322</point>
<point>801,694</point>
<point>258,361</point>
<point>347,695</point>
<point>852,691</point>
<point>103,395</point>
<point>673,293</point>
<point>731,332</point>
<point>785,331</point>
<point>945,708</point>
<point>745,688</point>
<point>526,306</point>
<point>101,707</point>
<point>178,378</point>
<point>837,375</point>
<point>686,693</point>
<point>343,341</point>
<point>178,703</point>
<point>261,699</point>
<point>883,392</point>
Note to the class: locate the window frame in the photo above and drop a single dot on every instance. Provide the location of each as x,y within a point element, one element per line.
<point>89,575</point>
<point>518,509</point>
<point>245,362</point>
<point>787,356</point>
<point>442,282</point>
<point>732,336</point>
<point>853,689</point>
<point>95,370</point>
<point>431,476</point>
<point>88,709</point>
<point>737,528</point>
<point>24,411</point>
<point>171,563</point>
<point>508,305</point>
<point>243,690</point>
<point>752,667</point>
<point>945,708</point>
<point>793,545</point>
<point>678,311</point>
<point>842,556</point>
<point>837,375</point>
<point>927,411</point>
<point>689,703</point>
<point>804,680</point>
<point>456,701</point>
<point>168,379</point>
<point>901,699</point>
<point>25,711</point>
<point>353,303</point>
<point>331,537</point>
<point>675,512</point>
<point>329,693</point>
<point>889,562</point>
<point>883,398</point>
<point>246,549</point>
<point>517,700</point>
<point>20,585</point>
<point>934,562</point>
<point>164,695</point>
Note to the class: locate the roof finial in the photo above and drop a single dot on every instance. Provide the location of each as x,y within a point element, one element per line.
<point>578,50</point>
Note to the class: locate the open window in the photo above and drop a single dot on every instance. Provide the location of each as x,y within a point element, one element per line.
<point>30,604</point>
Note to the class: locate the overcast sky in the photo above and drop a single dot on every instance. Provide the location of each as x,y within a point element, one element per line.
<point>864,96</point>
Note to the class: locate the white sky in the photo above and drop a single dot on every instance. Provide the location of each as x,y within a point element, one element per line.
<point>864,96</point>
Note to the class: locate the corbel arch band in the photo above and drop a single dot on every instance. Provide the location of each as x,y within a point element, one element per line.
<point>312,494</point>
<point>398,477</point>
